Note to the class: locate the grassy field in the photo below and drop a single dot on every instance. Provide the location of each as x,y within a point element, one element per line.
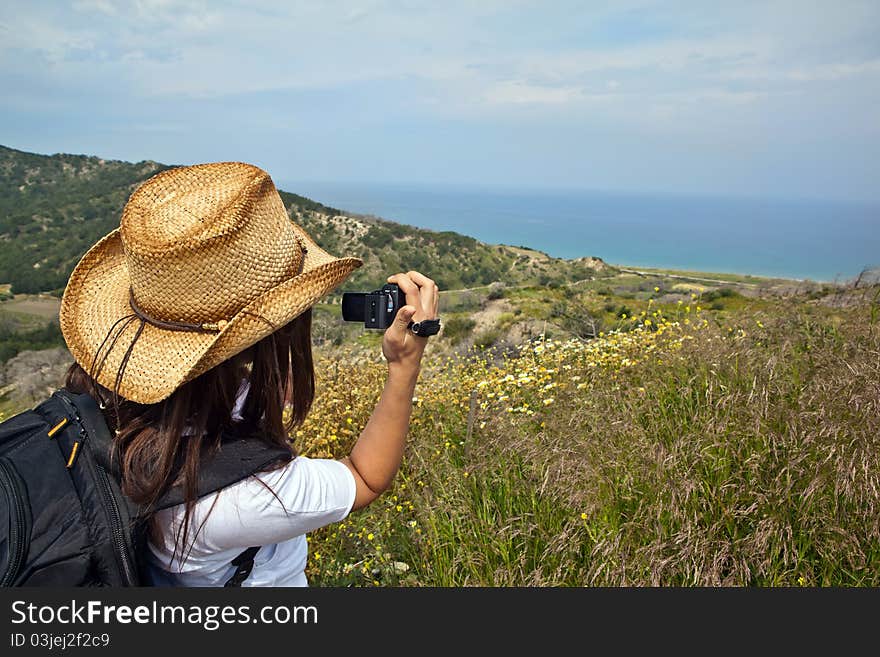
<point>693,448</point>
<point>705,436</point>
<point>28,306</point>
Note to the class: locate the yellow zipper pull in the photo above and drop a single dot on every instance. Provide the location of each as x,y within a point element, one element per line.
<point>57,427</point>
<point>73,454</point>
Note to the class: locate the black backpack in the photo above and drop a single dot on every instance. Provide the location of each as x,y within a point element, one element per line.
<point>63,518</point>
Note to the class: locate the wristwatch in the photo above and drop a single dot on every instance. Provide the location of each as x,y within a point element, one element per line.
<point>425,327</point>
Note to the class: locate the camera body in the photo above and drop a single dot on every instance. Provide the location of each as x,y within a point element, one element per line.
<point>376,309</point>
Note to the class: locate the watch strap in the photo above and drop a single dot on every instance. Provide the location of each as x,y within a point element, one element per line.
<point>425,327</point>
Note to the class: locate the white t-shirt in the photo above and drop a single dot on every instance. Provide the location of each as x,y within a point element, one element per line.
<point>312,493</point>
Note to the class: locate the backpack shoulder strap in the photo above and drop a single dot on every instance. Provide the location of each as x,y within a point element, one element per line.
<point>240,455</point>
<point>244,564</point>
<point>84,407</point>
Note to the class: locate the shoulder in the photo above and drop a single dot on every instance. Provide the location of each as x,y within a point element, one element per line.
<point>304,486</point>
<point>269,507</point>
<point>301,484</point>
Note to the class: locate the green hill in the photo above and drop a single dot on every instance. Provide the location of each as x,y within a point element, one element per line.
<point>54,207</point>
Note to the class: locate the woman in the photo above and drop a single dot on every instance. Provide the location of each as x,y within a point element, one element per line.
<point>193,318</point>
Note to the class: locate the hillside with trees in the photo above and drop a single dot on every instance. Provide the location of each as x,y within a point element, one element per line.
<point>54,207</point>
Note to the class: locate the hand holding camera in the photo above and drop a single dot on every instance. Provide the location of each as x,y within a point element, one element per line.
<point>406,307</point>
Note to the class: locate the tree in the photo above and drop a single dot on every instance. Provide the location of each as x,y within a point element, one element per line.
<point>576,318</point>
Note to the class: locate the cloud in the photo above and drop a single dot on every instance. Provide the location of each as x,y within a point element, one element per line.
<point>835,71</point>
<point>517,92</point>
<point>204,50</point>
<point>100,6</point>
<point>704,73</point>
<point>817,73</point>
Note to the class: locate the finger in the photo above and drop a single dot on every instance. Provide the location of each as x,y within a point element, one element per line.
<point>404,315</point>
<point>410,289</point>
<point>420,279</point>
<point>428,290</point>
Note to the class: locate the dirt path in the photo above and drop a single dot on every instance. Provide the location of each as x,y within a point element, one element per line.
<point>685,278</point>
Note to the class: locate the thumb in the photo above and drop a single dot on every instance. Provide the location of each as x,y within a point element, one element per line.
<point>404,315</point>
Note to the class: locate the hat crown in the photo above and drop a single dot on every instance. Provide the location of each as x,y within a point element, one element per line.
<point>202,241</point>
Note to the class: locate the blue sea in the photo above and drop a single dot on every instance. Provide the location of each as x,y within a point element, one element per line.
<point>818,240</point>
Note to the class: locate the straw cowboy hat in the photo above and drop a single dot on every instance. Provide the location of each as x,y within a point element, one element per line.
<point>205,263</point>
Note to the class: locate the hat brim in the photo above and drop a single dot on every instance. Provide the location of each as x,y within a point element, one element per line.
<point>97,298</point>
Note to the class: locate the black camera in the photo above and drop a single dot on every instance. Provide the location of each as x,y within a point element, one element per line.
<point>375,309</point>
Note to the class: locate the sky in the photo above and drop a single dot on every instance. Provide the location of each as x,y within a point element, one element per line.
<point>756,99</point>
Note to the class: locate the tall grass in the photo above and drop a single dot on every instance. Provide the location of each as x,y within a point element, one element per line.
<point>672,454</point>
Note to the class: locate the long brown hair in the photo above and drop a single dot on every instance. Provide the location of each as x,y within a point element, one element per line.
<point>152,452</point>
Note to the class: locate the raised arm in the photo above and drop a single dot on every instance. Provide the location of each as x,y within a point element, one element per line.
<point>375,457</point>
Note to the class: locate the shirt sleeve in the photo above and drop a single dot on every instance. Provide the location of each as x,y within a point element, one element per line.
<point>271,507</point>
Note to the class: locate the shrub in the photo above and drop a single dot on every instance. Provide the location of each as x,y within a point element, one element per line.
<point>496,290</point>
<point>505,319</point>
<point>14,341</point>
<point>457,327</point>
<point>724,292</point>
<point>487,338</point>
